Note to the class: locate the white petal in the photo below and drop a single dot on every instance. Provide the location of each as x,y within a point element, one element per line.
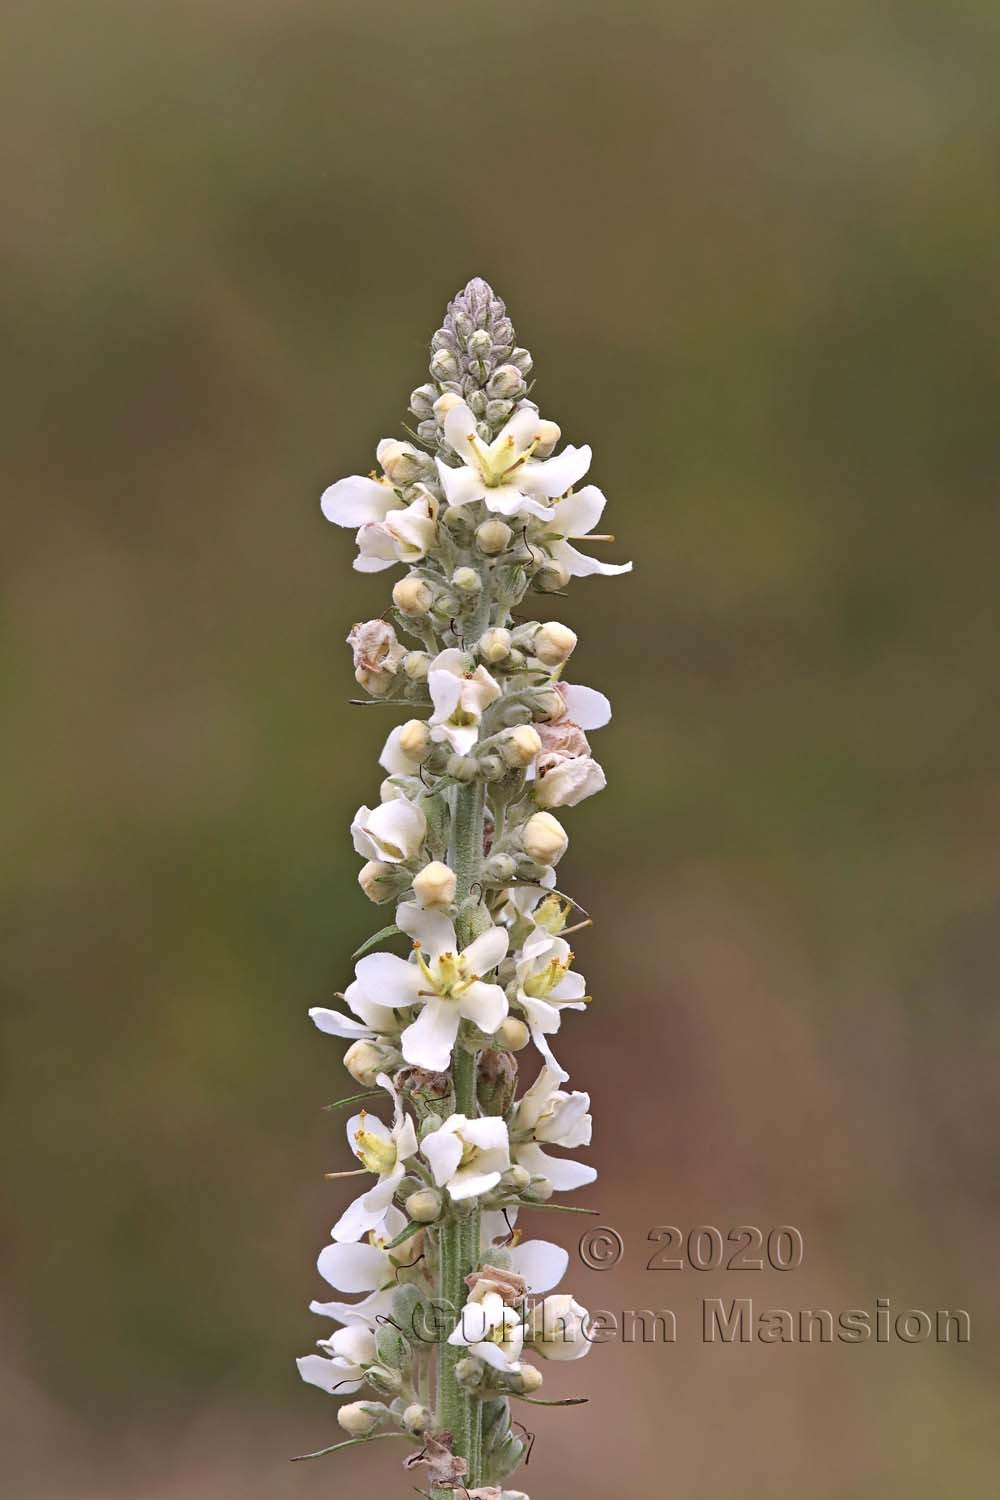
<point>461,486</point>
<point>585,706</point>
<point>324,1373</point>
<point>335,1024</point>
<point>510,499</point>
<point>542,1264</point>
<point>367,1211</point>
<point>580,565</point>
<point>398,828</point>
<point>445,689</point>
<point>393,759</point>
<point>519,433</point>
<point>460,434</point>
<point>579,513</point>
<point>489,1133</point>
<point>442,1150</point>
<point>563,1174</point>
<point>553,476</point>
<point>354,1268</point>
<point>431,929</point>
<point>392,979</point>
<point>377,1017</point>
<point>487,950</point>
<point>469,1183</point>
<point>485,1005</point>
<point>492,1354</point>
<point>355,501</point>
<point>428,1042</point>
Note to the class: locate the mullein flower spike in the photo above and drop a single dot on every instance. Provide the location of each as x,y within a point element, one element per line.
<point>463,843</point>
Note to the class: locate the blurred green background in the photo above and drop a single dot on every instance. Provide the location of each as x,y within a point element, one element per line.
<point>753,250</point>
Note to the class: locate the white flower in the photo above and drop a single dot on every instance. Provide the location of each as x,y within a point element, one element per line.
<point>585,706</point>
<point>393,831</point>
<point>405,751</point>
<point>539,1262</point>
<point>548,1114</point>
<point>351,1351</point>
<point>573,518</point>
<point>388,531</point>
<point>367,1266</point>
<point>557,1328</point>
<point>445,983</point>
<point>503,473</point>
<point>378,655</point>
<point>492,1331</point>
<point>546,986</point>
<point>565,780</point>
<point>459,697</point>
<point>468,1157</point>
<point>383,1150</point>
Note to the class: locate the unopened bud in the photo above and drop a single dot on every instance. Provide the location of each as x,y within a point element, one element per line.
<point>462,767</point>
<point>552,643</point>
<point>467,580</point>
<point>379,881</point>
<point>434,885</point>
<point>544,838</point>
<point>469,1373</point>
<point>512,1034</point>
<point>423,1206</point>
<point>520,746</point>
<point>444,365</point>
<point>499,869</point>
<point>493,537</point>
<point>411,595</point>
<point>516,1178</point>
<point>402,463</point>
<point>417,1419</point>
<point>497,412</point>
<point>444,404</point>
<point>479,344</point>
<point>415,739</point>
<point>496,1082</point>
<point>539,1190</point>
<point>365,1060</point>
<point>415,665</point>
<point>521,360</point>
<point>475,399</point>
<point>530,1378</point>
<point>506,383</point>
<point>427,431</point>
<point>549,434</point>
<point>389,1382</point>
<point>494,645</point>
<point>552,576</point>
<point>422,401</point>
<point>359,1418</point>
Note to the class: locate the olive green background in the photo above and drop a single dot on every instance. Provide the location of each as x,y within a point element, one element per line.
<point>753,249</point>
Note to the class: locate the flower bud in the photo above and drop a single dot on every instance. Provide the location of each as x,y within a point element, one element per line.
<point>506,383</point>
<point>479,344</point>
<point>552,576</point>
<point>415,739</point>
<point>497,412</point>
<point>530,1378</point>
<point>434,885</point>
<point>512,1034</point>
<point>427,431</point>
<point>415,664</point>
<point>493,537</point>
<point>411,595</point>
<point>444,404</point>
<point>539,1190</point>
<point>521,360</point>
<point>494,645</point>
<point>475,400</point>
<point>427,1092</point>
<point>389,1382</point>
<point>469,1373</point>
<point>496,1082</point>
<point>491,767</point>
<point>499,869</point>
<point>520,746</point>
<point>549,434</point>
<point>359,1418</point>
<point>444,365</point>
<point>544,838</point>
<point>365,1060</point>
<point>467,580</point>
<point>417,1419</point>
<point>462,767</point>
<point>402,463</point>
<point>552,643</point>
<point>516,1178</point>
<point>424,1206</point>
<point>379,881</point>
<point>422,401</point>
<point>564,781</point>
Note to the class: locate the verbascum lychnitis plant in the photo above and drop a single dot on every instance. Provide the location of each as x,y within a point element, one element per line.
<point>480,509</point>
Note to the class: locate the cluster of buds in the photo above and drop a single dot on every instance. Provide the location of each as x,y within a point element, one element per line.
<point>463,842</point>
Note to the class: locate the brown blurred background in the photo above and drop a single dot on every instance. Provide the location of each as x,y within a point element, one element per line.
<point>753,250</point>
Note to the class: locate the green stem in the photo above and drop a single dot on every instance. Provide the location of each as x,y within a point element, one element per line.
<point>458,1412</point>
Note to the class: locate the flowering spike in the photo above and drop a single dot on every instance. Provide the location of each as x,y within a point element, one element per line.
<point>463,842</point>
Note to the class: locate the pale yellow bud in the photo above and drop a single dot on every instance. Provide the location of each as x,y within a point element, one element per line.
<point>417,1419</point>
<point>379,881</point>
<point>424,1206</point>
<point>544,838</point>
<point>365,1060</point>
<point>434,885</point>
<point>411,595</point>
<point>520,746</point>
<point>494,644</point>
<point>531,1378</point>
<point>359,1418</point>
<point>415,739</point>
<point>444,404</point>
<point>493,537</point>
<point>512,1034</point>
<point>467,580</point>
<point>415,664</point>
<point>549,434</point>
<point>552,575</point>
<point>552,644</point>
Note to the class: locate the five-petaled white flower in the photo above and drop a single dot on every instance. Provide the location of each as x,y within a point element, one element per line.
<point>366,1266</point>
<point>351,1350</point>
<point>444,983</point>
<point>557,1328</point>
<point>389,529</point>
<point>468,1157</point>
<point>381,1149</point>
<point>547,1114</point>
<point>492,1331</point>
<point>459,696</point>
<point>545,985</point>
<point>393,831</point>
<point>504,473</point>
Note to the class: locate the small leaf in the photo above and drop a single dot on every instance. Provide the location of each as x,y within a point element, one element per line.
<point>353,1099</point>
<point>562,1208</point>
<point>386,932</point>
<point>405,1234</point>
<point>566,1401</point>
